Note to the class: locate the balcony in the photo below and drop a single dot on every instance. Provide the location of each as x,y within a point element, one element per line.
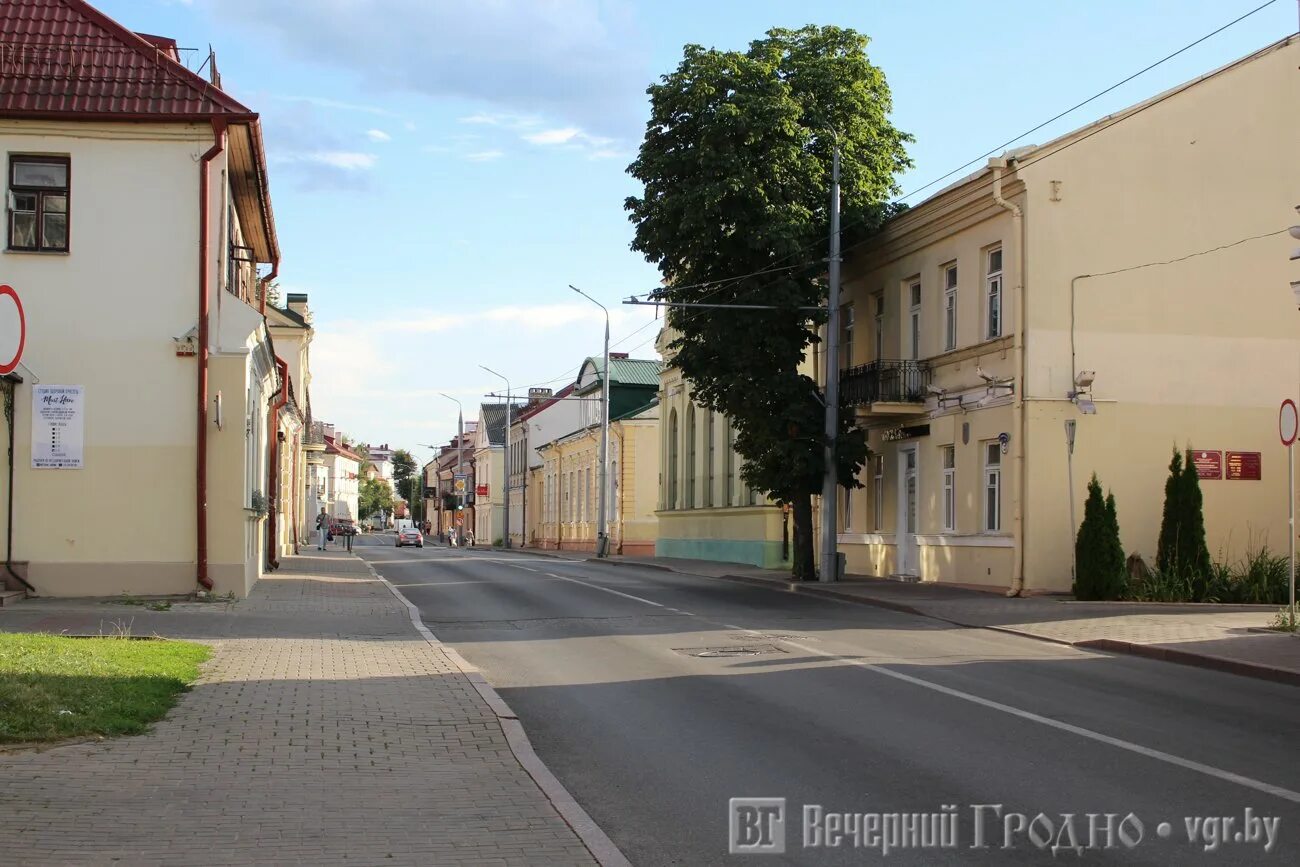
<point>887,386</point>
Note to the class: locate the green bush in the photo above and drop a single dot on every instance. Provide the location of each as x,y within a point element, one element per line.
<point>1259,578</point>
<point>1181,549</point>
<point>1099,555</point>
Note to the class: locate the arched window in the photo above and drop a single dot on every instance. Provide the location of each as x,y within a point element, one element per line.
<point>672,460</point>
<point>690,458</point>
<point>729,492</point>
<point>708,461</point>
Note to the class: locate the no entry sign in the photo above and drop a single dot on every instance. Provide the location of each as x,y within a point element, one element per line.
<point>13,330</point>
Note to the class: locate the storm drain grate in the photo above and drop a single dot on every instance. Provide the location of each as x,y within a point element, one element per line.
<point>727,651</point>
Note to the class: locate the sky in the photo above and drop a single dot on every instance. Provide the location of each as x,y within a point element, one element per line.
<point>443,170</point>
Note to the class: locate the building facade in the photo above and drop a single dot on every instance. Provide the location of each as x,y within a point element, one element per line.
<point>489,474</point>
<point>342,476</point>
<point>567,484</point>
<point>547,416</point>
<point>148,377</point>
<point>705,511</point>
<point>1129,280</point>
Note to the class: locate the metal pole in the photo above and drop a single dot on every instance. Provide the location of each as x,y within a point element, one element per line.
<point>602,525</point>
<point>1290,470</point>
<point>1070,428</point>
<point>505,454</point>
<point>830,548</point>
<point>457,529</point>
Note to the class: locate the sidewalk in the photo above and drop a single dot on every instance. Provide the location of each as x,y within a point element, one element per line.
<point>1230,638</point>
<point>325,730</point>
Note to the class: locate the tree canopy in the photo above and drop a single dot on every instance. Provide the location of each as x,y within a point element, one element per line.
<point>736,164</point>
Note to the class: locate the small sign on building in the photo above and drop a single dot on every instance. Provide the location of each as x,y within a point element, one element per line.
<point>1243,466</point>
<point>1208,463</point>
<point>58,427</point>
<point>481,490</point>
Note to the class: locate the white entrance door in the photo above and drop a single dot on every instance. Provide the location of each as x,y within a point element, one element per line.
<point>908,497</point>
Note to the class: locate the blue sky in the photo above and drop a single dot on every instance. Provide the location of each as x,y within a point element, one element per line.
<point>441,171</point>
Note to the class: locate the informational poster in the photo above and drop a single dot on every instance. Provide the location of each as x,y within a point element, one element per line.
<point>1209,464</point>
<point>1244,466</point>
<point>58,426</point>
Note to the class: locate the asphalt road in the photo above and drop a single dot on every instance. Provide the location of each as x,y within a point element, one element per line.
<point>656,697</point>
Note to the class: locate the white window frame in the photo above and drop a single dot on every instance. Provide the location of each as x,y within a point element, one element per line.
<point>950,307</point>
<point>992,485</point>
<point>914,298</point>
<point>993,294</point>
<point>878,492</point>
<point>949,464</point>
<point>847,511</point>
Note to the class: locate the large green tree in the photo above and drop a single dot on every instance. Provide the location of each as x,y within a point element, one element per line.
<point>736,163</point>
<point>403,466</point>
<point>375,495</point>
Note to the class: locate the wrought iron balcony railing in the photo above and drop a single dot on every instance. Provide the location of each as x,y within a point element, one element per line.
<point>885,381</point>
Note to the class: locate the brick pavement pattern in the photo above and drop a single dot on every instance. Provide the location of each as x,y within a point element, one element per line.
<point>324,731</point>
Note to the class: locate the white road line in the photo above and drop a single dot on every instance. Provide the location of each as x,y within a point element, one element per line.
<point>525,568</point>
<point>1158,755</point>
<point>607,590</point>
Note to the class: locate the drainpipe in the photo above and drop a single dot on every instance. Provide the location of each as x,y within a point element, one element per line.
<point>296,518</point>
<point>266,282</point>
<point>278,401</point>
<point>201,458</point>
<point>11,398</point>
<point>1019,420</point>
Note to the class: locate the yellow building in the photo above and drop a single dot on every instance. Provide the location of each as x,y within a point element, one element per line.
<point>705,510</point>
<point>138,213</point>
<point>565,489</point>
<point>1129,279</point>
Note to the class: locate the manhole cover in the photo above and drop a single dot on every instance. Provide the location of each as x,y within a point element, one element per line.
<point>744,650</point>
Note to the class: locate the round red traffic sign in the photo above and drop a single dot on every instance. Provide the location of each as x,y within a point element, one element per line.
<point>1288,422</point>
<point>13,330</point>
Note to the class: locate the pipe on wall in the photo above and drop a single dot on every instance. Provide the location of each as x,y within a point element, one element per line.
<point>279,399</point>
<point>205,281</point>
<point>1018,414</point>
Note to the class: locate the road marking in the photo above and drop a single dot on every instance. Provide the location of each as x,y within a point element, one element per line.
<point>1158,755</point>
<point>607,590</point>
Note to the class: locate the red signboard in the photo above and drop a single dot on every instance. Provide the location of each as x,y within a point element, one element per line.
<point>1209,464</point>
<point>481,490</point>
<point>1246,466</point>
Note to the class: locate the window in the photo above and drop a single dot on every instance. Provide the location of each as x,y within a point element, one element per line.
<point>880,326</point>
<point>847,511</point>
<point>915,291</point>
<point>992,487</point>
<point>950,307</point>
<point>708,461</point>
<point>846,335</point>
<point>729,492</point>
<point>671,503</point>
<point>994,292</point>
<point>950,488</point>
<point>573,503</point>
<point>878,492</point>
<point>38,212</point>
<point>689,492</point>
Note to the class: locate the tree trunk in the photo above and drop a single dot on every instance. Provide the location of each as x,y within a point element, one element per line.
<point>802,567</point>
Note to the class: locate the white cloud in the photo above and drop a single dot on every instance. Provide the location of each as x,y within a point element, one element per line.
<point>346,160</point>
<point>322,102</point>
<point>501,118</point>
<point>485,156</point>
<point>378,135</point>
<point>553,136</point>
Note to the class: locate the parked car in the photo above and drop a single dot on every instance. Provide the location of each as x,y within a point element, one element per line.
<point>410,536</point>
<point>343,527</point>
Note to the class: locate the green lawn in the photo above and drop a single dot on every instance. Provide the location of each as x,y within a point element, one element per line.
<point>53,687</point>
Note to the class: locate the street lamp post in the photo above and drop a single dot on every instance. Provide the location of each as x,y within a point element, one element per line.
<point>460,463</point>
<point>602,527</point>
<point>505,460</point>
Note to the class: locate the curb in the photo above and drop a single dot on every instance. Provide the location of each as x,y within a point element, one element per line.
<point>588,832</point>
<point>1108,645</point>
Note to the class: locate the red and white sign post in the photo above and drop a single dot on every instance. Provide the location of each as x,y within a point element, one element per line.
<point>13,330</point>
<point>1288,425</point>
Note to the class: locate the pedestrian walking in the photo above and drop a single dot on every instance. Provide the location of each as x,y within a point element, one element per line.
<point>322,528</point>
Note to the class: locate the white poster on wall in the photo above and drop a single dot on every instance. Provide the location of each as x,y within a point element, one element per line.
<point>58,426</point>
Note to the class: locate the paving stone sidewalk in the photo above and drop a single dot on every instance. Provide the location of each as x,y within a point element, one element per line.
<point>1225,637</point>
<point>325,730</point>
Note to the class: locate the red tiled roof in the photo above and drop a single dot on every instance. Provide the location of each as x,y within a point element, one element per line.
<point>64,57</point>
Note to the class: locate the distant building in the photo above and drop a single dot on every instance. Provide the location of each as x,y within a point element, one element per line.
<point>342,468</point>
<point>381,458</point>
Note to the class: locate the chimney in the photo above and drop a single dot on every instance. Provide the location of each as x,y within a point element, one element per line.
<point>327,429</point>
<point>297,302</point>
<point>614,355</point>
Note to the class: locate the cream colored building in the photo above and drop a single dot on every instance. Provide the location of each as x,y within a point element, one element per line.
<point>705,510</point>
<point>566,487</point>
<point>1138,267</point>
<point>342,477</point>
<point>489,474</point>
<point>291,334</point>
<point>137,213</point>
